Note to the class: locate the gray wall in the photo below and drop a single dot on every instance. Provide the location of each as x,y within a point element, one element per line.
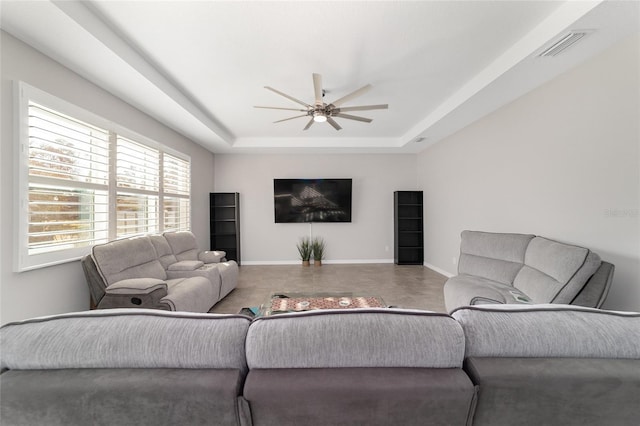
<point>62,288</point>
<point>368,238</point>
<point>562,162</point>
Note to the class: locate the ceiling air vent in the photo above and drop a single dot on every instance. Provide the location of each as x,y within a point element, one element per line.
<point>565,42</point>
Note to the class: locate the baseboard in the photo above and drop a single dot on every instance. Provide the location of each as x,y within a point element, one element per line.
<point>337,262</point>
<point>438,270</point>
<point>325,262</point>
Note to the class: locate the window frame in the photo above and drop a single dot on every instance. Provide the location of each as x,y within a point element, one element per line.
<point>23,94</point>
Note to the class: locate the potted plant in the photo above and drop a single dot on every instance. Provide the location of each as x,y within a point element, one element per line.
<point>305,249</point>
<point>318,247</point>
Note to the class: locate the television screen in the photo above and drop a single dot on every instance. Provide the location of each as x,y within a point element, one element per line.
<point>312,200</point>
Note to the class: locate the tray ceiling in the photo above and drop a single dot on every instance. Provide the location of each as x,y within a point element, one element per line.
<point>199,67</point>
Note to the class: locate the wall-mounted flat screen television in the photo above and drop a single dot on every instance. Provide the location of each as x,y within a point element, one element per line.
<point>312,200</point>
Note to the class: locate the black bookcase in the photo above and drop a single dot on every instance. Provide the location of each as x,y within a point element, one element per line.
<point>408,228</point>
<point>225,223</point>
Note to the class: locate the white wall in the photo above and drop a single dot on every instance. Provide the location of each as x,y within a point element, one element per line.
<point>562,161</point>
<point>63,288</point>
<point>375,177</point>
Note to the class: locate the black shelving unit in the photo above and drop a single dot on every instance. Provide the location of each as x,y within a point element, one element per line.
<point>225,223</point>
<point>408,228</point>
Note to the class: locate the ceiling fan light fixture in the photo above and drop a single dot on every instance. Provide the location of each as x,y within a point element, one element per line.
<point>319,117</point>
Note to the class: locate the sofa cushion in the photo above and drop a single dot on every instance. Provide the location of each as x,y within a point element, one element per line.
<point>125,338</point>
<point>191,294</point>
<point>555,272</point>
<point>183,245</point>
<point>359,396</point>
<point>122,397</point>
<point>555,391</point>
<point>129,258</point>
<point>463,290</point>
<point>163,250</point>
<point>355,338</point>
<point>494,256</point>
<point>548,331</point>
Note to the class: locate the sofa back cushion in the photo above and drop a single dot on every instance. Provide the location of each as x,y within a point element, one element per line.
<point>493,256</point>
<point>355,338</point>
<point>554,272</point>
<point>129,258</point>
<point>125,338</point>
<point>183,245</point>
<point>549,331</point>
<point>163,251</point>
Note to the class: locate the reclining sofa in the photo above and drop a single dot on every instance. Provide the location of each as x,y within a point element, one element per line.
<point>482,365</point>
<point>165,272</point>
<point>498,268</point>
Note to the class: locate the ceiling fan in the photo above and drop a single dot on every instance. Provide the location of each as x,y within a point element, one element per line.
<point>321,112</point>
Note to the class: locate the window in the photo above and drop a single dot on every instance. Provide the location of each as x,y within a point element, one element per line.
<point>177,187</point>
<point>137,181</point>
<point>84,181</point>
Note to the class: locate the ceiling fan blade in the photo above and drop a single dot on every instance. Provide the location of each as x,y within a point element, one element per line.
<point>364,107</point>
<point>333,123</point>
<point>291,118</point>
<point>287,96</point>
<point>355,94</point>
<point>308,124</point>
<point>353,117</point>
<point>317,88</point>
<point>288,109</point>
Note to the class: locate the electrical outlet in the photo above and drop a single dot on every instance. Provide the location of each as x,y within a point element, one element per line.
<point>386,248</point>
<point>454,260</point>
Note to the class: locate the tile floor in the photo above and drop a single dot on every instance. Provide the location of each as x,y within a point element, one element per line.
<point>403,286</point>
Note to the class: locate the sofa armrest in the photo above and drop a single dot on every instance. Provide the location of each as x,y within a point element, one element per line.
<point>134,293</point>
<point>136,286</point>
<point>213,256</point>
<point>186,265</point>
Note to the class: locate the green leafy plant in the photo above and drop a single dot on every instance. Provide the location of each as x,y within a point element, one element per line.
<point>318,247</point>
<point>305,249</point>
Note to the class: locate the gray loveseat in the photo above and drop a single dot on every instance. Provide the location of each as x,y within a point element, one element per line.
<point>158,272</point>
<point>499,268</point>
<point>484,365</point>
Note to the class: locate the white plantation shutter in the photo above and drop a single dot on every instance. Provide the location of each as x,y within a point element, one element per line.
<point>83,181</point>
<point>137,165</point>
<point>138,182</point>
<point>68,181</point>
<point>176,190</point>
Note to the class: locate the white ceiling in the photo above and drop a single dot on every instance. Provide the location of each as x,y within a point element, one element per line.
<point>201,66</point>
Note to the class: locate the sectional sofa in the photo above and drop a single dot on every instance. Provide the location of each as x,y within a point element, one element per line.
<point>482,365</point>
<point>165,272</point>
<point>499,268</point>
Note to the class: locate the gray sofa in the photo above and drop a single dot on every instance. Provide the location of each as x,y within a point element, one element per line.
<point>484,365</point>
<point>552,365</point>
<point>158,272</point>
<point>499,268</point>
